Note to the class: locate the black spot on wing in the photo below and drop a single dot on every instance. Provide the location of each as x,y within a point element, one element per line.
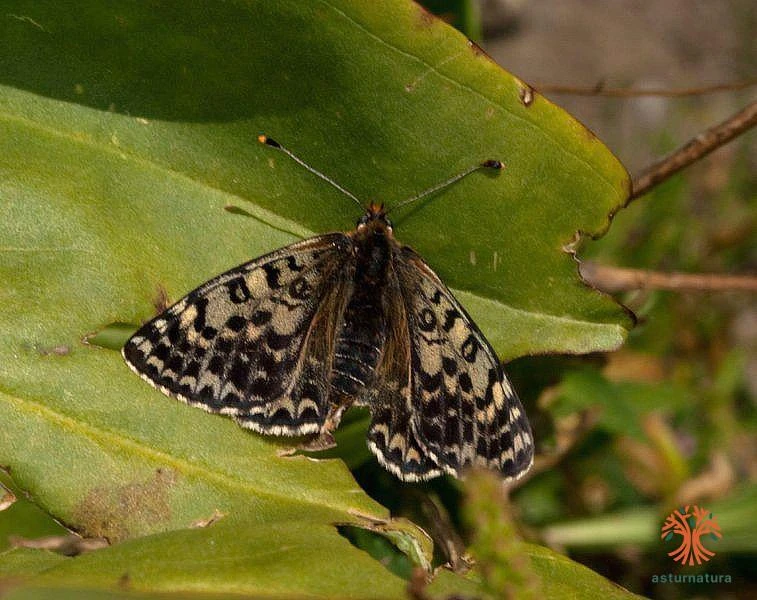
<point>200,305</point>
<point>426,320</point>
<point>260,317</point>
<point>470,348</point>
<point>236,323</point>
<point>239,293</point>
<point>293,265</point>
<point>450,317</point>
<point>272,276</point>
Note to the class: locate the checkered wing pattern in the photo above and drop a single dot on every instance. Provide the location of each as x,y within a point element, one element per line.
<point>254,342</point>
<point>444,402</point>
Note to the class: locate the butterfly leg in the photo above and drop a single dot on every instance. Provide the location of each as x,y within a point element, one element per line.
<point>317,443</point>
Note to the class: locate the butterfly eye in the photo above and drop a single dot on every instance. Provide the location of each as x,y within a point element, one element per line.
<point>362,221</point>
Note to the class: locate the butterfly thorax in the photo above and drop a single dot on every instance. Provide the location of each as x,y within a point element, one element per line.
<point>363,329</point>
<point>372,247</point>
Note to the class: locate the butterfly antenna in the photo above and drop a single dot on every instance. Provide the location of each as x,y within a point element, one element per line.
<point>264,139</point>
<point>487,164</point>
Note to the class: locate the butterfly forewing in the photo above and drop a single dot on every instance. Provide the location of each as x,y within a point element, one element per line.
<point>465,413</point>
<point>254,341</point>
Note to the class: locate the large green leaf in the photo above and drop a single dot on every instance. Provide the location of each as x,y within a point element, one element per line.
<point>559,576</point>
<point>283,560</point>
<point>124,131</point>
<point>286,560</point>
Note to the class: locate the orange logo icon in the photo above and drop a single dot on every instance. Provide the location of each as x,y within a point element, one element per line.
<point>693,526</point>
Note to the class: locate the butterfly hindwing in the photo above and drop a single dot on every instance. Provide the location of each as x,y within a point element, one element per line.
<point>391,435</point>
<point>464,411</point>
<point>252,342</point>
<point>392,439</point>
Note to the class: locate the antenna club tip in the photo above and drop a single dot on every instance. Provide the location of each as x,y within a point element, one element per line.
<point>264,139</point>
<point>493,164</point>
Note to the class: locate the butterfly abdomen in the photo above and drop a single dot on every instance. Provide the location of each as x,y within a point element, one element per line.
<point>354,365</point>
<point>362,332</point>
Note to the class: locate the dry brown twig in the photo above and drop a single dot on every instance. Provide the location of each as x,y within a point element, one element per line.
<point>601,90</point>
<point>694,149</point>
<point>68,545</point>
<point>618,279</point>
<point>7,497</point>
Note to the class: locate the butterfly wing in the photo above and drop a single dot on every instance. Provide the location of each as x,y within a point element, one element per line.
<point>254,342</point>
<point>391,435</point>
<point>463,411</point>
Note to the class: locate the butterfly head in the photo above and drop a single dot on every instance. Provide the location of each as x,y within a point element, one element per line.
<point>374,217</point>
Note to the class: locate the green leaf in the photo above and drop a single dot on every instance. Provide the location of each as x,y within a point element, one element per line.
<point>169,117</point>
<point>123,468</point>
<point>25,562</point>
<point>124,132</point>
<point>40,593</point>
<point>286,560</point>
<point>561,578</point>
<point>279,560</point>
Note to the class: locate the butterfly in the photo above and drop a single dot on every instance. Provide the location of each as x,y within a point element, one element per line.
<point>287,342</point>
